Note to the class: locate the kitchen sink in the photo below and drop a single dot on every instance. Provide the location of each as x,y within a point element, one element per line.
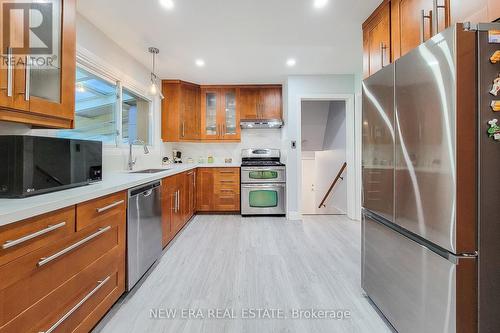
<point>150,171</point>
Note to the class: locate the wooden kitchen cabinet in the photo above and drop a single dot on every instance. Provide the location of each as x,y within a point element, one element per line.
<point>398,26</point>
<point>204,190</point>
<point>43,96</point>
<point>377,40</point>
<point>260,102</point>
<point>168,208</point>
<point>172,216</point>
<point>220,116</point>
<point>189,202</point>
<point>218,190</point>
<point>178,203</point>
<point>181,119</point>
<point>64,278</point>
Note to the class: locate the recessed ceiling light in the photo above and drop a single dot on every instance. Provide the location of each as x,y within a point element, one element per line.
<point>200,62</point>
<point>291,62</point>
<point>168,4</point>
<point>320,3</point>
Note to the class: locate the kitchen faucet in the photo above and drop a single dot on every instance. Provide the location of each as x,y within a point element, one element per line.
<point>131,160</point>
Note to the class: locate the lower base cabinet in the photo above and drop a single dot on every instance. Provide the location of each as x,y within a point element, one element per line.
<point>218,190</point>
<point>68,280</point>
<point>178,203</point>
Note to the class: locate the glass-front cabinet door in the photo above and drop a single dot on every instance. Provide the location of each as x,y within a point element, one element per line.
<point>230,116</point>
<point>220,115</point>
<point>210,126</point>
<point>39,78</point>
<point>50,86</point>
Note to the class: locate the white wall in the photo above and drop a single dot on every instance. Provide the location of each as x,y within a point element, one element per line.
<point>250,138</point>
<point>327,163</point>
<point>314,125</point>
<point>95,47</point>
<point>296,88</point>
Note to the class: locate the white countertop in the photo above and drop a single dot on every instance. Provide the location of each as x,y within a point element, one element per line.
<point>14,210</point>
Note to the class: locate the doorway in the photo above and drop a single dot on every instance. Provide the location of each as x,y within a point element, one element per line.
<point>324,143</point>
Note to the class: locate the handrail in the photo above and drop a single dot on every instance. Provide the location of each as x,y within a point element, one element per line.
<point>339,175</point>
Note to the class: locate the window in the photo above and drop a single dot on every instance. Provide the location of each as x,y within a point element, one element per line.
<point>95,109</point>
<point>99,115</point>
<point>135,118</point>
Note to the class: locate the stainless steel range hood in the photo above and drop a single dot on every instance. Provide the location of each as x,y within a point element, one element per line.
<point>261,123</point>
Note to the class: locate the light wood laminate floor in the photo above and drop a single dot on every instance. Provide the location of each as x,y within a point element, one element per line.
<point>229,262</point>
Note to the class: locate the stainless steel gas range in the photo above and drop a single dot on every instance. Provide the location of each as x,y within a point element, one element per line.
<point>263,182</point>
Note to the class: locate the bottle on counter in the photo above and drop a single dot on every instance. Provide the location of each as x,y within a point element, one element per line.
<point>210,159</point>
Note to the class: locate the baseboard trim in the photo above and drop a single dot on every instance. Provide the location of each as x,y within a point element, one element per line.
<point>294,216</point>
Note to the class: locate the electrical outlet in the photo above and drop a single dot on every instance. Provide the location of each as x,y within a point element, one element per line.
<point>294,144</point>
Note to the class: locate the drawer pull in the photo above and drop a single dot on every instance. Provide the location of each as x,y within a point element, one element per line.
<point>108,207</point>
<point>78,305</point>
<point>11,243</point>
<point>44,261</point>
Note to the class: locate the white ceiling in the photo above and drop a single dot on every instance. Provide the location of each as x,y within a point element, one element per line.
<point>240,41</point>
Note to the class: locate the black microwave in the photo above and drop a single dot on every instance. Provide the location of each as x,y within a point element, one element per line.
<point>31,165</point>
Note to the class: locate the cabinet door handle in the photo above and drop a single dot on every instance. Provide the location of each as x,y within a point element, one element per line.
<point>10,72</point>
<point>178,200</point>
<point>108,207</point>
<point>383,48</point>
<point>11,243</point>
<point>44,261</point>
<point>100,284</point>
<point>183,128</point>
<point>435,10</point>
<point>27,79</point>
<point>422,24</point>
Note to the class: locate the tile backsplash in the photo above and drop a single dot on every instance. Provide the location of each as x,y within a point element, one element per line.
<point>250,138</point>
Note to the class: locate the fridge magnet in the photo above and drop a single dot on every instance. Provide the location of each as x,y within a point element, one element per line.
<point>494,130</point>
<point>494,36</point>
<point>495,105</point>
<point>496,86</point>
<point>495,57</point>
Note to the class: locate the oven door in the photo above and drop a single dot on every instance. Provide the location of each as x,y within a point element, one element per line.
<point>263,175</point>
<point>260,199</point>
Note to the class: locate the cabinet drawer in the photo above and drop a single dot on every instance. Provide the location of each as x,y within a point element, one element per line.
<point>227,189</point>
<point>20,238</point>
<point>227,202</point>
<point>227,176</point>
<point>30,278</point>
<point>77,297</point>
<point>102,209</point>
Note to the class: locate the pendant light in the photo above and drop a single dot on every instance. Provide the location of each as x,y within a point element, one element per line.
<point>155,88</point>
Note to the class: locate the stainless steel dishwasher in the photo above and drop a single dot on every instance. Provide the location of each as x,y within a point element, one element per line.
<point>144,230</point>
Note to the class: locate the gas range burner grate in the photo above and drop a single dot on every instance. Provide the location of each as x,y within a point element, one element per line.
<point>262,163</point>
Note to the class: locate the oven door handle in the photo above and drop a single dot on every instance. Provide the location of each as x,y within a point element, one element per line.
<point>262,169</point>
<point>274,185</point>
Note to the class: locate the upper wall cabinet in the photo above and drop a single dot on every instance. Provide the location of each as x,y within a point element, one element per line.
<point>220,117</point>
<point>377,40</point>
<point>192,113</point>
<point>260,102</point>
<point>180,111</point>
<point>37,82</point>
<point>398,26</point>
<point>412,24</point>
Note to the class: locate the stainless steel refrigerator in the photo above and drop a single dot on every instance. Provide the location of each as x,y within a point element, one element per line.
<point>431,185</point>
